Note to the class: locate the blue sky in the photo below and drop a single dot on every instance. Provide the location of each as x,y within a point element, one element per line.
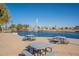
<point>47,14</point>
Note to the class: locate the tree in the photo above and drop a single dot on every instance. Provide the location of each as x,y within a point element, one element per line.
<point>61,28</point>
<point>13,27</point>
<point>22,27</point>
<point>53,28</point>
<point>4,16</point>
<point>25,26</point>
<point>19,26</point>
<point>76,27</point>
<point>66,28</point>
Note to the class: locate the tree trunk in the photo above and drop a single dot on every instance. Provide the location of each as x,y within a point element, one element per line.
<point>1,28</point>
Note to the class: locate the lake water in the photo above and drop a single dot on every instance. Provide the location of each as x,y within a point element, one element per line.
<point>49,34</point>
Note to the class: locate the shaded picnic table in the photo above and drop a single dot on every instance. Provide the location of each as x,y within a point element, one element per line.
<point>40,49</point>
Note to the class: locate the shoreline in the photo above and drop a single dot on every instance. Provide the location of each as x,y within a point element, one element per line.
<point>57,30</point>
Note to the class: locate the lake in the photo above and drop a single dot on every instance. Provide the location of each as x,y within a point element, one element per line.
<point>49,34</point>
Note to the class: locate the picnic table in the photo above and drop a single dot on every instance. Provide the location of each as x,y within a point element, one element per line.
<point>39,48</point>
<point>29,37</point>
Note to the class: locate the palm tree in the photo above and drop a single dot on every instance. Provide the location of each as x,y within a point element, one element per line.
<point>4,16</point>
